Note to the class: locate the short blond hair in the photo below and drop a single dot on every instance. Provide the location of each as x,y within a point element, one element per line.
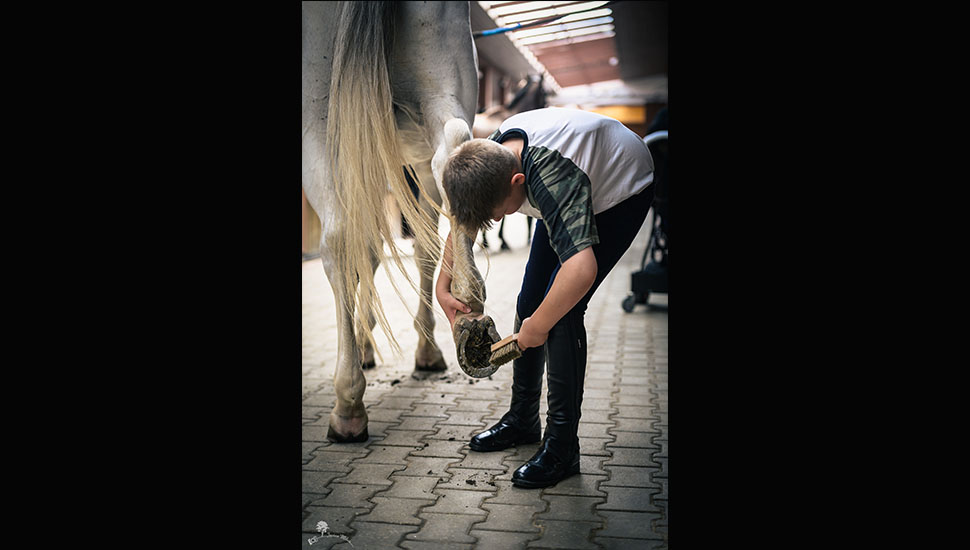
<point>477,178</point>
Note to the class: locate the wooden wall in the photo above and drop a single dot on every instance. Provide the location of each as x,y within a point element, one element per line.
<point>311,230</point>
<point>635,117</point>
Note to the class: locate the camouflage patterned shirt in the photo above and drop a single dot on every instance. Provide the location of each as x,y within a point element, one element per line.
<point>576,164</point>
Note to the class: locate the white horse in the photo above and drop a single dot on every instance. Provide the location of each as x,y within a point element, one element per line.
<point>387,86</point>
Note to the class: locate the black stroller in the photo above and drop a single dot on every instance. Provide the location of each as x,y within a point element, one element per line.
<point>652,276</point>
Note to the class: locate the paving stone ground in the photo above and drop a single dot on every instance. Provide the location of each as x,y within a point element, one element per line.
<point>416,484</point>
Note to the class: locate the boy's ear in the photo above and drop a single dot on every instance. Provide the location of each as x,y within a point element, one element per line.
<point>518,178</point>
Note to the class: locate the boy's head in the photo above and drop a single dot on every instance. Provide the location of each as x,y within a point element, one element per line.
<point>478,178</point>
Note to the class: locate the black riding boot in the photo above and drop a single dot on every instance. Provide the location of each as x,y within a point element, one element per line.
<point>521,423</point>
<point>558,458</point>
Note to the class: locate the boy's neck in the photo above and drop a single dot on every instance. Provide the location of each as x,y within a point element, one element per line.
<point>515,145</point>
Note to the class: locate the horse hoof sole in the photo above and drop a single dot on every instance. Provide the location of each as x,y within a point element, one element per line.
<point>473,340</point>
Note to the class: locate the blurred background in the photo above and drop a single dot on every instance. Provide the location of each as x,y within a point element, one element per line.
<point>605,57</point>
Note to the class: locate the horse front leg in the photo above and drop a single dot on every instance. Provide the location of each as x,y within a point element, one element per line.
<point>348,419</point>
<point>474,332</point>
<point>367,361</point>
<point>428,356</point>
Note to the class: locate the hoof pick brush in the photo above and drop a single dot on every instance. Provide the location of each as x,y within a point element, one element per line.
<point>505,350</point>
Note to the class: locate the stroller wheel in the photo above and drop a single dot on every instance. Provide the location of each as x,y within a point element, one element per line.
<point>629,302</point>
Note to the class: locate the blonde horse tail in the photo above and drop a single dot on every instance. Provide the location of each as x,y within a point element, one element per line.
<point>367,162</point>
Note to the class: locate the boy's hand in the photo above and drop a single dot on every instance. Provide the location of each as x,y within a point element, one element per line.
<point>530,336</point>
<point>450,304</point>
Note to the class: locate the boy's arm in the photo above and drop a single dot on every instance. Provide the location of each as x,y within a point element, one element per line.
<point>573,281</point>
<point>448,303</point>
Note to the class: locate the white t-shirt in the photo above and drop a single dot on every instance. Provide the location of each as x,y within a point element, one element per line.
<point>615,159</point>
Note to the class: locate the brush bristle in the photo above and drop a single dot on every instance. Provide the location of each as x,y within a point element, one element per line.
<point>506,353</point>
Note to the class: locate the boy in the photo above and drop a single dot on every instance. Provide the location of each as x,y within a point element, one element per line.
<point>587,177</point>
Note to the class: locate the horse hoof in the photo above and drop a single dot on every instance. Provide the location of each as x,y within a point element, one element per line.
<point>473,340</point>
<point>436,366</point>
<point>332,435</point>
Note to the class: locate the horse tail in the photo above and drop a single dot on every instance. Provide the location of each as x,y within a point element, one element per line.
<point>367,162</point>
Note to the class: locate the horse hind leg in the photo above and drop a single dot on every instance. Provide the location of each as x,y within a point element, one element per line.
<point>428,356</point>
<point>348,419</point>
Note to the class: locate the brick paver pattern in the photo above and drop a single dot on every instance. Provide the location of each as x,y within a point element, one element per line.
<point>416,484</point>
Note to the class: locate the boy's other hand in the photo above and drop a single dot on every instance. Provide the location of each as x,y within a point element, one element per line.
<point>530,336</point>
<point>450,304</point>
